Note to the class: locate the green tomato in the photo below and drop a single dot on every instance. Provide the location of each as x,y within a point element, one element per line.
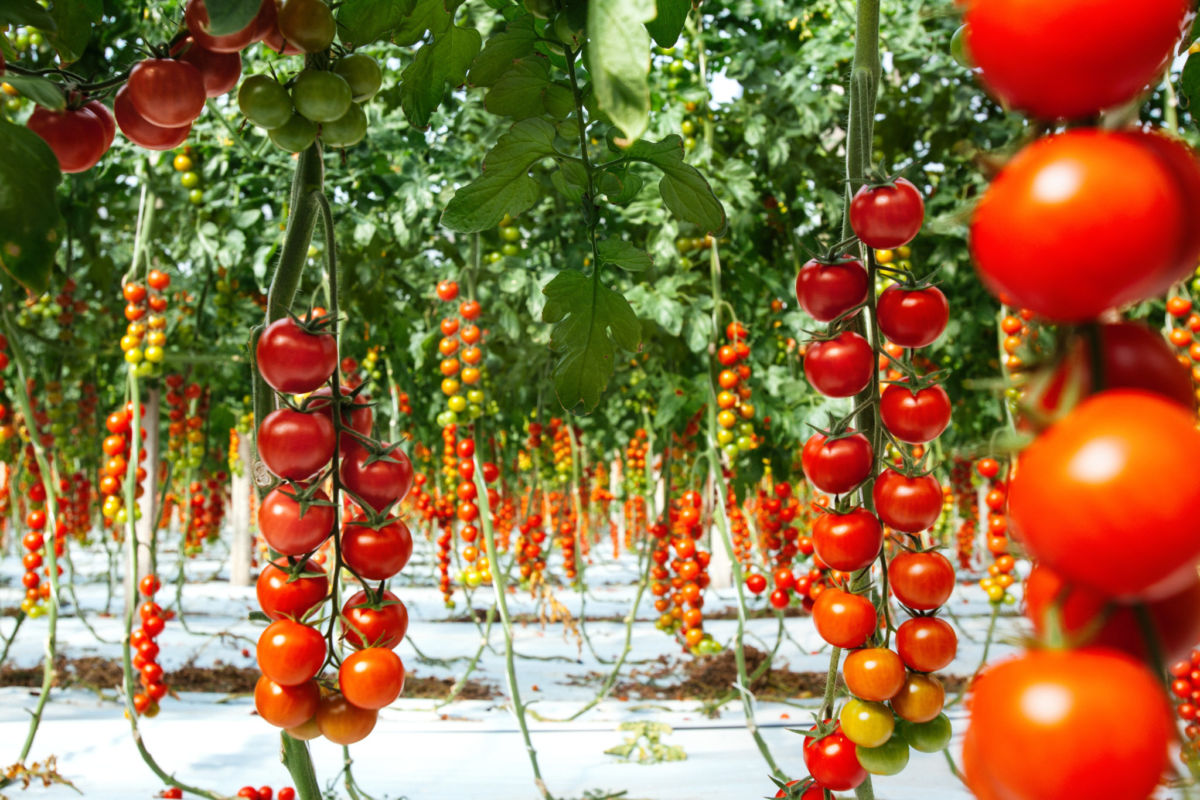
<point>195,197</point>
<point>745,443</point>
<point>890,758</point>
<point>510,249</point>
<point>321,96</point>
<point>347,130</point>
<point>689,144</point>
<point>958,48</point>
<point>731,450</point>
<point>36,39</point>
<point>189,180</point>
<point>362,73</point>
<point>295,135</point>
<point>867,724</point>
<point>265,102</point>
<point>927,737</point>
<point>492,256</point>
<point>510,233</point>
<point>475,396</point>
<point>687,127</point>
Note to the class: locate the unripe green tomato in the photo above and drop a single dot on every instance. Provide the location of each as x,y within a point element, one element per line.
<point>347,130</point>
<point>689,144</point>
<point>21,41</point>
<point>492,257</point>
<point>745,443</point>
<point>687,127</point>
<point>510,233</point>
<point>509,249</point>
<point>265,102</point>
<point>321,96</point>
<point>471,578</point>
<point>36,39</point>
<point>308,24</point>
<point>362,73</point>
<point>144,369</point>
<point>295,135</point>
<point>731,450</point>
<point>745,428</point>
<point>189,180</point>
<point>195,197</point>
<point>927,737</point>
<point>475,396</point>
<point>13,104</point>
<point>890,758</point>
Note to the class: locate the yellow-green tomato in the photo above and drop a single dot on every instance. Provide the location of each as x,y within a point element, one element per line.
<point>866,723</point>
<point>890,758</point>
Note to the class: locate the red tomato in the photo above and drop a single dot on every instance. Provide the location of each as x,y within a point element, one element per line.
<point>377,553</point>
<point>915,417</point>
<point>844,620</point>
<point>841,366</point>
<point>447,290</point>
<point>106,120</point>
<point>837,466</point>
<point>921,581</point>
<point>295,445</point>
<point>196,17</point>
<point>372,678</point>
<point>343,723</point>
<point>912,317</point>
<point>779,598</point>
<point>908,504</point>
<point>888,216</point>
<point>828,290</point>
<point>356,413</point>
<point>166,92</point>
<point>1126,467</point>
<point>286,706</point>
<point>832,762</point>
<point>847,542</point>
<point>926,644</point>
<point>379,483</point>
<point>293,361</point>
<point>756,583</point>
<point>364,625</point>
<point>140,130</point>
<point>77,136</point>
<point>1095,721</point>
<point>290,653</point>
<point>219,71</point>
<point>286,530</point>
<point>279,598</point>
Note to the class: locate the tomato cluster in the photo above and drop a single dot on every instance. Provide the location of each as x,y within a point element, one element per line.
<point>685,588</point>
<point>144,641</point>
<point>736,433</point>
<point>145,313</point>
<point>188,178</point>
<point>117,448</point>
<point>1000,571</point>
<point>247,792</point>
<point>37,591</point>
<point>634,484</point>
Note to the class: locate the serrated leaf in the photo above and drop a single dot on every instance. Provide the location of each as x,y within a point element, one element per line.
<point>590,322</point>
<point>443,61</point>
<point>73,20</point>
<point>26,12</point>
<point>618,59</point>
<point>230,16</point>
<point>39,90</point>
<point>519,92</point>
<point>502,49</point>
<point>685,191</point>
<point>621,253</point>
<point>361,22</point>
<point>668,24</point>
<point>29,216</point>
<point>505,186</point>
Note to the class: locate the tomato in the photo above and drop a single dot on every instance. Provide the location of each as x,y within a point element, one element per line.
<point>926,644</point>
<point>832,763</point>
<point>1127,466</point>
<point>889,216</point>
<point>828,290</point>
<point>364,625</point>
<point>847,542</point>
<point>297,134</point>
<point>379,483</point>
<point>308,24</point>
<point>219,71</point>
<point>321,96</point>
<point>844,620</point>
<point>921,581</point>
<point>916,416</point>
<point>889,758</point>
<point>166,92</point>
<point>908,504</point>
<point>266,103</point>
<point>358,418</point>
<point>347,130</point>
<point>756,583</point>
<point>447,290</point>
<point>920,699</point>
<point>342,722</point>
<point>874,673</point>
<point>927,737</point>
<point>1095,720</point>
<point>841,366</point>
<point>287,530</point>
<point>286,706</point>
<point>912,317</point>
<point>1083,221</point>
<point>813,792</point>
<point>371,678</point>
<point>295,444</point>
<point>1070,58</point>
<point>365,78</point>
<point>377,553</point>
<point>866,723</point>
<point>293,361</point>
<point>839,465</point>
<point>106,120</point>
<point>290,653</point>
<point>779,598</point>
<point>196,17</point>
<point>140,130</point>
<point>279,598</point>
<point>77,136</point>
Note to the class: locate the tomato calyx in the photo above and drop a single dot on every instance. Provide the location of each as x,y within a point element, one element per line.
<point>820,729</point>
<point>305,494</point>
<point>793,790</point>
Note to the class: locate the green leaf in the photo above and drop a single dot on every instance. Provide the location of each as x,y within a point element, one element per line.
<point>505,186</point>
<point>1189,82</point>
<point>618,58</point>
<point>684,190</point>
<point>519,92</point>
<point>620,186</point>
<point>558,100</point>
<point>26,12</point>
<point>590,322</point>
<point>441,62</point>
<point>502,49</point>
<point>29,217</point>
<point>229,16</point>
<point>622,254</point>
<point>666,27</point>
<point>361,22</point>
<point>74,20</point>
<point>39,90</point>
<point>426,15</point>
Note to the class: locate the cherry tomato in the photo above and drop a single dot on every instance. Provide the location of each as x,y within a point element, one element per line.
<point>889,216</point>
<point>926,644</point>
<point>909,504</point>
<point>279,598</point>
<point>356,414</point>
<point>364,625</point>
<point>382,482</point>
<point>293,361</point>
<point>78,137</point>
<point>286,706</point>
<point>343,723</point>
<point>286,529</point>
<point>874,673</point>
<point>166,92</point>
<point>377,553</point>
<point>921,581</point>
<point>828,290</point>
<point>837,466</point>
<point>142,131</point>
<point>866,723</point>
<point>290,653</point>
<point>844,620</point>
<point>920,699</point>
<point>841,366</point>
<point>847,542</point>
<point>832,763</point>
<point>915,416</point>
<point>295,445</point>
<point>371,678</point>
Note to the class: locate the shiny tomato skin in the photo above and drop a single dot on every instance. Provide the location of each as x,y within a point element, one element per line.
<point>219,71</point>
<point>841,366</point>
<point>889,216</point>
<point>908,504</point>
<point>377,553</point>
<point>279,598</point>
<point>921,581</point>
<point>874,673</point>
<point>920,699</point>
<point>290,653</point>
<point>828,290</point>
<point>912,317</point>
<point>847,542</point>
<point>1127,466</point>
<point>295,445</point>
<point>378,483</point>
<point>142,131</point>
<point>286,530</point>
<point>832,762</point>
<point>371,678</point>
<point>293,361</point>
<point>167,92</point>
<point>926,644</point>
<point>342,722</point>
<point>844,620</point>
<point>106,120</point>
<point>1096,720</point>
<point>286,706</point>
<point>839,465</point>
<point>77,136</point>
<point>356,414</point>
<point>364,626</point>
<point>915,417</point>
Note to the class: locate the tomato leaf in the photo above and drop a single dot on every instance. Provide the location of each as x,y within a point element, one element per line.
<point>26,12</point>
<point>443,61</point>
<point>29,216</point>
<point>590,322</point>
<point>684,190</point>
<point>618,58</point>
<point>505,186</point>
<point>361,22</point>
<point>230,16</point>
<point>74,20</point>
<point>1189,82</point>
<point>622,254</point>
<point>502,49</point>
<point>666,27</point>
<point>39,90</point>
<point>518,93</point>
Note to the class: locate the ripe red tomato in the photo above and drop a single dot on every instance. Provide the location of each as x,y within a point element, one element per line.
<point>196,17</point>
<point>912,317</point>
<point>844,620</point>
<point>828,290</point>
<point>295,445</point>
<point>377,553</point>
<point>219,71</point>
<point>286,530</point>
<point>366,626</point>
<point>106,120</point>
<point>756,583</point>
<point>837,466</point>
<point>371,678</point>
<point>841,366</point>
<point>280,598</point>
<point>875,673</point>
<point>77,136</point>
<point>915,417</point>
<point>356,413</point>
<point>379,483</point>
<point>286,706</point>
<point>1070,58</point>
<point>921,581</point>
<point>832,762</point>
<point>1125,465</point>
<point>166,92</point>
<point>290,653</point>
<point>908,504</point>
<point>1044,707</point>
<point>342,722</point>
<point>888,216</point>
<point>813,792</point>
<point>293,361</point>
<point>142,131</point>
<point>779,598</point>
<point>447,290</point>
<point>926,644</point>
<point>847,542</point>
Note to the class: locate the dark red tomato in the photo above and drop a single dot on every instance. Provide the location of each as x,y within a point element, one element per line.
<point>1043,707</point>
<point>756,583</point>
<point>1126,464</point>
<point>342,722</point>
<point>286,706</point>
<point>166,92</point>
<point>779,598</point>
<point>294,444</point>
<point>286,530</point>
<point>1080,222</point>
<point>77,136</point>
<point>377,553</point>
<point>279,598</point>
<point>220,71</point>
<point>293,361</point>
<point>140,130</point>
<point>844,620</point>
<point>847,542</point>
<point>365,625</point>
<point>356,413</point>
<point>196,17</point>
<point>926,644</point>
<point>915,417</point>
<point>841,366</point>
<point>380,483</point>
<point>921,581</point>
<point>908,504</point>
<point>832,762</point>
<point>1070,58</point>
<point>913,317</point>
<point>839,465</point>
<point>1180,161</point>
<point>371,678</point>
<point>106,120</point>
<point>888,216</point>
<point>290,653</point>
<point>828,290</point>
